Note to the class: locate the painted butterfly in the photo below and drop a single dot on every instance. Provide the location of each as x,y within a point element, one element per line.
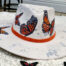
<point>17,19</point>
<point>46,26</point>
<point>2,31</point>
<point>28,64</point>
<point>30,27</point>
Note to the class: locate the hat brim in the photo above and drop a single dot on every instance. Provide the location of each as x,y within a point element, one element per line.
<point>53,49</point>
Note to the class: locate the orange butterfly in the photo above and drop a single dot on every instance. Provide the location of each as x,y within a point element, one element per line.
<point>30,27</point>
<point>17,19</point>
<point>2,31</point>
<point>46,26</point>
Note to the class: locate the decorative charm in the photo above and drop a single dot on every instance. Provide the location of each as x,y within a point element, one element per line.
<point>30,27</point>
<point>2,31</point>
<point>46,26</point>
<point>17,19</point>
<point>28,64</point>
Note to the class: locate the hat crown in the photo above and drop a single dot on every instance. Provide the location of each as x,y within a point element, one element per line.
<point>35,23</point>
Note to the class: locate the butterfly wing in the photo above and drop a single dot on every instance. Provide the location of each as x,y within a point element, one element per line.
<point>17,19</point>
<point>33,64</point>
<point>24,30</point>
<point>17,22</point>
<point>53,22</point>
<point>46,23</point>
<point>24,63</point>
<point>45,18</point>
<point>4,27</point>
<point>30,27</point>
<point>3,32</point>
<point>45,28</point>
<point>18,16</point>
<point>52,27</point>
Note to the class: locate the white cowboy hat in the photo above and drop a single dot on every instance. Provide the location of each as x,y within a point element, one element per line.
<point>34,34</point>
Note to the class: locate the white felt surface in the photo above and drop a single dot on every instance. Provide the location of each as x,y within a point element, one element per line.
<point>6,59</point>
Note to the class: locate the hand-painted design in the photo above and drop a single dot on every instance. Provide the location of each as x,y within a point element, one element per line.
<point>17,19</point>
<point>46,26</point>
<point>28,64</point>
<point>51,53</point>
<point>30,27</point>
<point>2,31</point>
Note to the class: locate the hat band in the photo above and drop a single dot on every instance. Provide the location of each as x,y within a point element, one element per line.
<point>31,39</point>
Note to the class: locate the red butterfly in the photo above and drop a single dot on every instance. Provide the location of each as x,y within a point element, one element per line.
<point>30,27</point>
<point>46,26</point>
<point>28,64</point>
<point>17,19</point>
<point>2,31</point>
